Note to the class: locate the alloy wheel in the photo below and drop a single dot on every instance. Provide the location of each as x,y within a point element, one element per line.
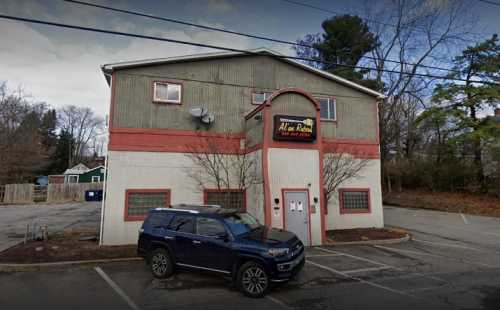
<point>254,280</point>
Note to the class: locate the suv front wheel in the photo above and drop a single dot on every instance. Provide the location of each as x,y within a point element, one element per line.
<point>253,280</point>
<point>161,263</point>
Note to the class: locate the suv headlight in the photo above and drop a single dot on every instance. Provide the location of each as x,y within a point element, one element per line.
<point>278,252</point>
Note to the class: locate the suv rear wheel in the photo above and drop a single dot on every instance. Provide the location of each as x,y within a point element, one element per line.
<point>253,280</point>
<point>161,263</point>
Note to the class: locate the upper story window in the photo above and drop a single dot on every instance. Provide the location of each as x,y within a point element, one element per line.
<point>167,92</point>
<point>328,108</point>
<point>260,97</point>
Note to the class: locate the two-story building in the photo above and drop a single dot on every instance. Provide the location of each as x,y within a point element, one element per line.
<point>283,115</point>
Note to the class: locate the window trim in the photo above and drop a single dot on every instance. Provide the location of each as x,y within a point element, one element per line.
<point>131,218</point>
<point>259,92</point>
<point>157,100</point>
<point>73,175</point>
<point>335,103</point>
<point>209,190</point>
<point>357,211</point>
<point>95,176</point>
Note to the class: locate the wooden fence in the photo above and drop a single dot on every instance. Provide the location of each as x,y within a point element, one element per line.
<point>53,193</point>
<point>69,191</point>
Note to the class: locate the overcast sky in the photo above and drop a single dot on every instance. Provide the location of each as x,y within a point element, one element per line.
<point>61,66</point>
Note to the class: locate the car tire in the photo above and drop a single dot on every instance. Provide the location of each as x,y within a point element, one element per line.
<point>161,263</point>
<point>253,280</point>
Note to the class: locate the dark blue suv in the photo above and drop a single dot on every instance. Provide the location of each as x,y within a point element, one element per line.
<point>224,241</point>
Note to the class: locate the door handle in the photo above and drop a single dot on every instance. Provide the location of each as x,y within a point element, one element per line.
<point>169,238</point>
<point>196,242</point>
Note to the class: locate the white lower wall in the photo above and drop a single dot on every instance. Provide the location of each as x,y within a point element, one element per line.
<point>155,170</point>
<point>368,178</point>
<point>295,169</point>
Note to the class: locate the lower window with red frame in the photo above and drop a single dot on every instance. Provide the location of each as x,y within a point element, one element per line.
<point>226,198</point>
<point>138,202</point>
<point>354,200</point>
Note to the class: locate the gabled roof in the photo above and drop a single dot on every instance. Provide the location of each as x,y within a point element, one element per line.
<point>78,169</point>
<point>107,69</point>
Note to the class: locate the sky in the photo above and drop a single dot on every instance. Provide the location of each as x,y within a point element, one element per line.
<point>62,66</point>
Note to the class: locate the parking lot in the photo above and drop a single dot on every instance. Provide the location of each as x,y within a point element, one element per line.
<point>436,270</point>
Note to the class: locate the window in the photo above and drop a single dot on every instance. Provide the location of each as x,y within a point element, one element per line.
<point>157,220</point>
<point>96,178</point>
<point>209,227</point>
<point>138,202</point>
<point>167,92</point>
<point>260,97</point>
<point>355,200</point>
<point>72,179</point>
<point>226,198</point>
<point>328,108</point>
<point>182,223</point>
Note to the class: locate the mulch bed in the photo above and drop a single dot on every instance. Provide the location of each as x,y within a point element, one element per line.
<point>364,234</point>
<point>450,202</point>
<point>65,247</point>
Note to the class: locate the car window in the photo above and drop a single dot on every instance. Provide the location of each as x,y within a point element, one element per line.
<point>241,223</point>
<point>158,220</point>
<point>182,223</point>
<point>209,227</point>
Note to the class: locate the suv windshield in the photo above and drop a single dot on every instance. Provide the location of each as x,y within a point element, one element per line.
<point>241,223</point>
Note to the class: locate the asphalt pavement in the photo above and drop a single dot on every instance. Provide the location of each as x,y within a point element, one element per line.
<point>449,265</point>
<point>14,218</point>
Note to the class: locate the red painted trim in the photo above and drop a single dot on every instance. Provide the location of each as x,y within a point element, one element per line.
<point>112,101</point>
<point>178,132</point>
<point>253,148</point>
<point>175,141</point>
<point>348,211</point>
<point>296,91</point>
<point>283,215</point>
<point>224,190</point>
<point>321,184</point>
<point>166,82</point>
<point>130,218</point>
<point>265,166</point>
<point>377,122</point>
<point>358,148</point>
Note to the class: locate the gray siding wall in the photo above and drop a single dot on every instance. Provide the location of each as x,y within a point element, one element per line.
<point>225,87</point>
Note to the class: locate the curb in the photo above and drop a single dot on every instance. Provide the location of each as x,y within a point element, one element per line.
<point>373,242</point>
<point>58,265</point>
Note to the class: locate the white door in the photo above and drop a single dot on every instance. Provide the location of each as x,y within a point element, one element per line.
<point>296,211</point>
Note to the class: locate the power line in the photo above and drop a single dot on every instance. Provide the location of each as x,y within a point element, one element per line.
<point>140,36</point>
<point>325,10</point>
<point>489,2</point>
<point>260,37</point>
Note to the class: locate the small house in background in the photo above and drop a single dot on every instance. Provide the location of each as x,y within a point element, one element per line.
<point>72,175</point>
<point>56,178</point>
<point>94,175</point>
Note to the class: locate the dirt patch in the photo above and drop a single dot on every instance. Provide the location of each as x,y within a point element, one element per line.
<point>65,246</point>
<point>364,234</point>
<point>449,202</point>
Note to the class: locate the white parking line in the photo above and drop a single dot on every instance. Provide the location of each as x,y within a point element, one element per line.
<point>116,288</point>
<point>359,279</point>
<point>367,269</point>
<point>356,257</point>
<point>323,255</point>
<point>279,302</point>
<point>463,218</point>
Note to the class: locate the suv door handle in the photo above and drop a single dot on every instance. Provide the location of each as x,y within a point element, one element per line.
<point>196,242</point>
<point>169,238</point>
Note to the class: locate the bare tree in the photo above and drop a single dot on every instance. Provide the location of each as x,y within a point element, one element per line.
<point>338,168</point>
<point>84,126</point>
<point>419,34</point>
<point>220,166</point>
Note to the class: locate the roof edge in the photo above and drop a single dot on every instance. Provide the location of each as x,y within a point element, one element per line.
<point>107,69</point>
